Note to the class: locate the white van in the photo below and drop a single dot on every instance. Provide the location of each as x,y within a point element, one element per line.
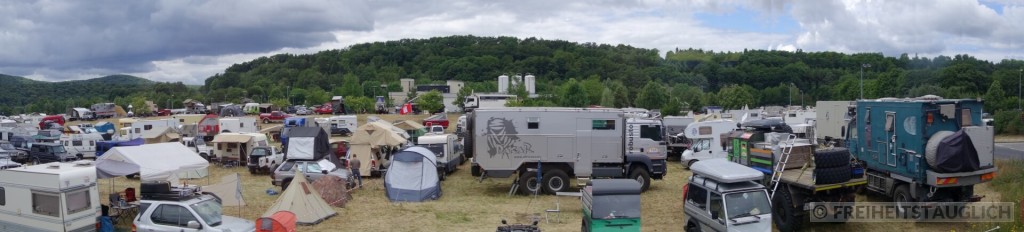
<point>50,197</point>
<point>239,125</point>
<point>706,140</point>
<point>81,145</point>
<point>447,149</point>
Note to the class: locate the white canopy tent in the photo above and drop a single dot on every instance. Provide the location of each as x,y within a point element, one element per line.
<point>153,162</point>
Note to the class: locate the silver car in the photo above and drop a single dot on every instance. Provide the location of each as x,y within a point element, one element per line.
<point>202,213</point>
<point>725,196</point>
<point>312,169</point>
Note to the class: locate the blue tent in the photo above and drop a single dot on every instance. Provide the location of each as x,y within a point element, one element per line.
<point>104,146</point>
<point>412,176</point>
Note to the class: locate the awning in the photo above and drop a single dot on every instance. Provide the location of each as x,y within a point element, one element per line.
<point>231,138</point>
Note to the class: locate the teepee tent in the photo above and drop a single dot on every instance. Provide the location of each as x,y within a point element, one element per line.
<point>229,190</point>
<point>303,200</point>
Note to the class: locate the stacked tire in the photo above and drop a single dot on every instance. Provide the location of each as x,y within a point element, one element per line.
<point>832,165</point>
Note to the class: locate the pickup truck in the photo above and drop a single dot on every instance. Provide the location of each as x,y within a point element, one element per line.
<point>437,119</point>
<point>324,109</point>
<point>275,116</point>
<point>264,159</point>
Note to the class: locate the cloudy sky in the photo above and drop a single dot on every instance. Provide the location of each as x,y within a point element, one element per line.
<point>189,41</point>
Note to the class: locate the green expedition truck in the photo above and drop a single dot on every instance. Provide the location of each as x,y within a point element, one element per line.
<point>611,205</point>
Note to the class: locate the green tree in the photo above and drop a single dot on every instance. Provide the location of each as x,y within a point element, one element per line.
<point>350,86</point>
<point>607,98</point>
<point>359,104</point>
<point>573,94</point>
<point>316,96</point>
<point>622,99</point>
<point>671,107</point>
<point>279,102</point>
<point>594,89</point>
<point>995,97</point>
<point>460,97</point>
<point>431,101</point>
<point>924,90</point>
<point>735,96</point>
<point>652,96</point>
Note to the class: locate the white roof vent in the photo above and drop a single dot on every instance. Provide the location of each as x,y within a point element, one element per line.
<point>54,165</point>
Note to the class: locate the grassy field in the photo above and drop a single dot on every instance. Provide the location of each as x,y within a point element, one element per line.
<point>471,204</point>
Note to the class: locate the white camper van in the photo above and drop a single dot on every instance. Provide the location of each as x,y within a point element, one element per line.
<point>50,197</point>
<point>239,125</point>
<point>343,125</point>
<point>447,149</point>
<point>706,140</point>
<point>81,145</point>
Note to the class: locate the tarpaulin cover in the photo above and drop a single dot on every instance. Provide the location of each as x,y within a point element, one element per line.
<point>956,153</point>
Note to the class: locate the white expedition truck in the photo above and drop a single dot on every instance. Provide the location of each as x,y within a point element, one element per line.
<point>564,142</point>
<point>50,197</point>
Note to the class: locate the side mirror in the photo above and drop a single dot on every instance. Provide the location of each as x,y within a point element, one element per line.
<point>194,225</point>
<point>696,149</point>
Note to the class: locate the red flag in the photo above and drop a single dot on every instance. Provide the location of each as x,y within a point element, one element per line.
<point>406,109</point>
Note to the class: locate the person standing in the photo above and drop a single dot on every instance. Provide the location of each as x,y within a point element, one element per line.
<point>353,167</point>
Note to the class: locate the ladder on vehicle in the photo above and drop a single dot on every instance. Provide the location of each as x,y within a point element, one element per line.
<point>781,165</point>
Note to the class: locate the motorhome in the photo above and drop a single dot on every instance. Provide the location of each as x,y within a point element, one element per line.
<point>566,142</point>
<point>81,145</point>
<point>238,125</point>
<point>706,140</point>
<point>189,119</point>
<point>148,125</point>
<point>447,149</point>
<point>50,197</point>
<point>80,114</point>
<point>231,146</point>
<point>129,133</point>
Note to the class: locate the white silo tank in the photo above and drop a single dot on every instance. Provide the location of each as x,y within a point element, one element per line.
<point>503,84</point>
<point>531,83</point>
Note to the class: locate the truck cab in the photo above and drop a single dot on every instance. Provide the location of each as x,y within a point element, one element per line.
<point>264,159</point>
<point>646,137</point>
<point>706,140</point>
<point>611,205</point>
<point>922,149</point>
<point>726,196</point>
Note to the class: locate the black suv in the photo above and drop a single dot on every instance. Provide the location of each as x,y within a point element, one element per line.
<point>41,153</point>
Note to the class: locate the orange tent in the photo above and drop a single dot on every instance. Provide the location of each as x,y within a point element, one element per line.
<point>282,221</point>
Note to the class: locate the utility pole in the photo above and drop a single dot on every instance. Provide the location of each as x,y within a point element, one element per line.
<point>862,66</point>
<point>1020,77</point>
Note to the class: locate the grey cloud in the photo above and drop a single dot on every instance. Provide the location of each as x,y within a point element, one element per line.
<point>128,35</point>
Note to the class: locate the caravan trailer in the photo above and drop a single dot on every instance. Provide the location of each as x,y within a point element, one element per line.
<point>50,197</point>
<point>234,146</point>
<point>238,125</point>
<point>81,145</point>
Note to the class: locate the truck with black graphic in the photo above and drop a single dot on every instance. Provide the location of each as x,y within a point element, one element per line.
<point>544,147</point>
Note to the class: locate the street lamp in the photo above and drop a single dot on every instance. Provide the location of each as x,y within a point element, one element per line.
<point>1020,76</point>
<point>862,66</point>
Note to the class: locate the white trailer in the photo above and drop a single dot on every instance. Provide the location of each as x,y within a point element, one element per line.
<point>343,125</point>
<point>486,101</point>
<point>129,133</point>
<point>447,149</point>
<point>706,140</point>
<point>148,125</point>
<point>50,197</point>
<point>239,125</point>
<point>831,119</point>
<point>564,142</point>
<point>81,145</point>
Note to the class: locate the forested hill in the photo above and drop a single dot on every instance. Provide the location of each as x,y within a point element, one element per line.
<point>21,94</point>
<point>692,76</point>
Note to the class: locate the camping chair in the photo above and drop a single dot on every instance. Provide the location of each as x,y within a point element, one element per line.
<point>557,211</point>
<point>114,199</point>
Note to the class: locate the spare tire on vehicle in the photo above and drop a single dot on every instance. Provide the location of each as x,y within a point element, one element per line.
<point>831,157</point>
<point>832,175</point>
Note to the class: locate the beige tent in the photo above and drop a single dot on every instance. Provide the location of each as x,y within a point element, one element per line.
<point>378,134</point>
<point>303,200</point>
<point>161,135</point>
<point>229,189</point>
<point>364,153</point>
<point>410,125</point>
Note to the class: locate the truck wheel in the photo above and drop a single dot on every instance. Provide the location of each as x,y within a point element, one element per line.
<point>555,180</point>
<point>528,183</point>
<point>832,175</point>
<point>266,121</point>
<point>692,227</point>
<point>784,213</point>
<point>285,183</point>
<point>901,195</point>
<point>831,157</point>
<point>640,175</point>
<point>690,164</point>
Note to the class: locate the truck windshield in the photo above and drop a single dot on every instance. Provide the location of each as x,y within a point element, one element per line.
<point>209,210</point>
<point>616,206</point>
<point>745,204</point>
<point>437,149</point>
<point>58,149</point>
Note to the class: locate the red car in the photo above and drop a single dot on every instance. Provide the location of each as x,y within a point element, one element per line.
<point>437,119</point>
<point>163,112</point>
<point>59,119</point>
<point>274,116</point>
<point>324,109</point>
